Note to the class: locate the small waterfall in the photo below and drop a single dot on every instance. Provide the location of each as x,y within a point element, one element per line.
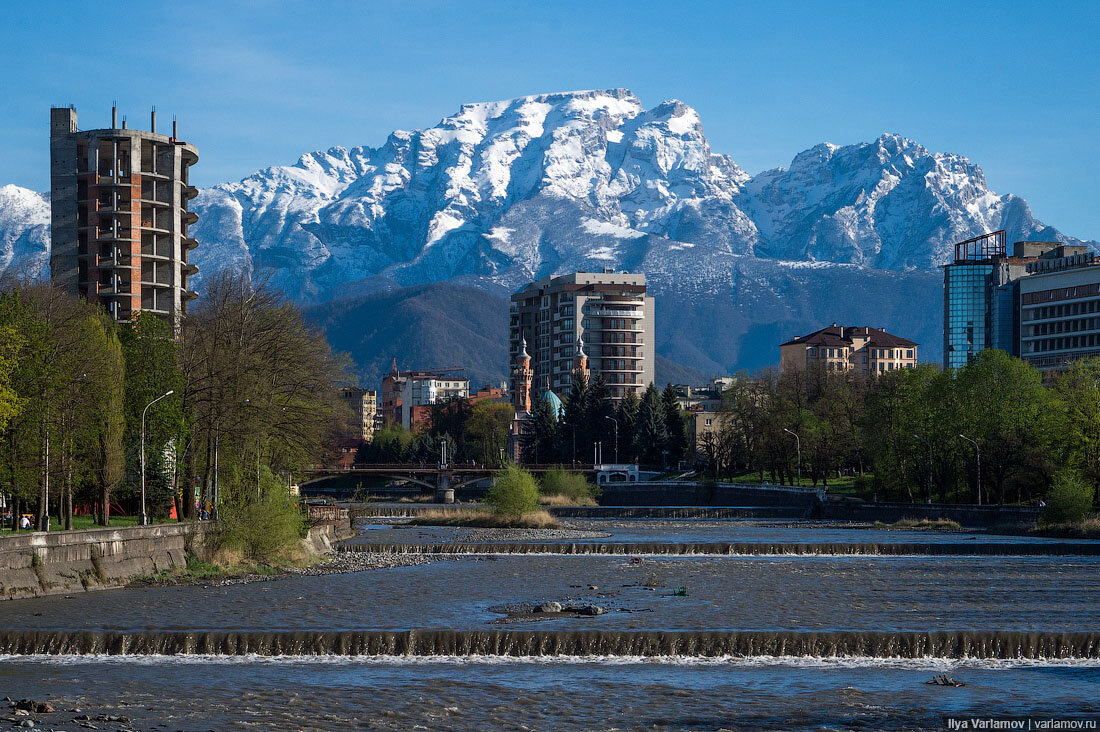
<point>1052,549</point>
<point>954,645</point>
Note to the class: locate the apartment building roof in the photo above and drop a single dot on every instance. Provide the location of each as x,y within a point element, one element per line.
<point>842,336</point>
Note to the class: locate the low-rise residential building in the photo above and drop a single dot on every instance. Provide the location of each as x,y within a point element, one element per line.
<point>843,348</point>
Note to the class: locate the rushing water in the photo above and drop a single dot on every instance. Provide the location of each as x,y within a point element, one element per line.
<point>566,694</point>
<point>687,531</point>
<point>1051,594</point>
<point>693,643</point>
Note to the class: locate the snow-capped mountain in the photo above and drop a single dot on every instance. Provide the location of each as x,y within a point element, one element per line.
<point>504,191</point>
<point>24,231</point>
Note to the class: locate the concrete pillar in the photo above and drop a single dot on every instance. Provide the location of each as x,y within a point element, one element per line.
<point>444,493</point>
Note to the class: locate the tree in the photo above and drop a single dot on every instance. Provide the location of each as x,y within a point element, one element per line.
<point>1078,392</point>
<point>487,430</point>
<point>259,383</point>
<point>599,409</point>
<point>540,440</point>
<point>1005,408</point>
<point>104,453</point>
<point>651,432</point>
<point>627,416</point>
<point>152,370</point>
<point>1070,498</point>
<point>514,492</point>
<point>11,343</point>
<point>675,425</point>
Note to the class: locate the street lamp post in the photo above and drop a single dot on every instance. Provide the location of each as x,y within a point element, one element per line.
<point>798,446</point>
<point>978,450</point>
<point>144,520</point>
<point>926,442</point>
<point>616,437</point>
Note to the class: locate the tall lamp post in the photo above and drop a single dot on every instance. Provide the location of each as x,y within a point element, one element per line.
<point>616,422</point>
<point>929,444</point>
<point>144,520</point>
<point>979,452</point>
<point>798,446</point>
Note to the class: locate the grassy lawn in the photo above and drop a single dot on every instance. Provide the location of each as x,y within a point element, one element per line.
<point>88,522</point>
<point>845,486</point>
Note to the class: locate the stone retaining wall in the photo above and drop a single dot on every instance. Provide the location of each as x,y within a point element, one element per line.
<point>966,515</point>
<point>40,563</point>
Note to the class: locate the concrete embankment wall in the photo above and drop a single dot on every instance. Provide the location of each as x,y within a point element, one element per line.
<point>966,515</point>
<point>687,493</point>
<point>63,562</point>
<point>40,563</point>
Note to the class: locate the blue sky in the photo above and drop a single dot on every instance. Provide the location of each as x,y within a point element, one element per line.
<point>1015,86</point>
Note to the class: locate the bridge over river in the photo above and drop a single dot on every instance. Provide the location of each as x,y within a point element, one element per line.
<point>443,480</point>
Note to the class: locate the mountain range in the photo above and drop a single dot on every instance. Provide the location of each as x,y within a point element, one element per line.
<point>406,248</point>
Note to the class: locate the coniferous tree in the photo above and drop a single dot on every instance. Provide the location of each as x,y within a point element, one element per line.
<point>651,433</point>
<point>627,417</point>
<point>575,422</point>
<point>675,426</point>
<point>599,411</point>
<point>540,441</point>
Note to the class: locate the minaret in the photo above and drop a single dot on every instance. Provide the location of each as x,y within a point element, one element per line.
<point>521,380</point>
<point>580,360</point>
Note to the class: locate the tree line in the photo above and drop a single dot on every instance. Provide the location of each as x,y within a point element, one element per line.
<point>650,430</point>
<point>245,399</point>
<point>920,434</point>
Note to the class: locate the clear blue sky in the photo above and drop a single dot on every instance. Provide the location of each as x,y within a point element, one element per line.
<point>1015,86</point>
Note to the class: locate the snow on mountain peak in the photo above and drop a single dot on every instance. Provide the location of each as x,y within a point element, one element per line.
<point>500,191</point>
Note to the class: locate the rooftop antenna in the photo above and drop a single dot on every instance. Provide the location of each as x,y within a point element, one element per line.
<point>153,120</point>
<point>114,115</point>
<point>174,128</point>
<point>123,121</point>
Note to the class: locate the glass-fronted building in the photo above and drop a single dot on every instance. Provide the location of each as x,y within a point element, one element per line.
<point>967,311</point>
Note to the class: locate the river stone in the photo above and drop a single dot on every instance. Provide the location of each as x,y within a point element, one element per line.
<point>549,607</point>
<point>592,610</point>
<point>27,723</point>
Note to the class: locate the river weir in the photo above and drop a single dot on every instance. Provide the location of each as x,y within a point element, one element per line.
<point>539,643</point>
<point>741,549</point>
<point>702,625</point>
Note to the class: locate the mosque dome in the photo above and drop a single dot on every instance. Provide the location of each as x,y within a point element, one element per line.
<point>555,403</point>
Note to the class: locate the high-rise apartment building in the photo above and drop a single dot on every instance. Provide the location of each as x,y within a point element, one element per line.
<point>120,218</point>
<point>605,316</point>
<point>981,296</point>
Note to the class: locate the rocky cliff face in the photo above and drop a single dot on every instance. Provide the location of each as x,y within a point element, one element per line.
<point>504,191</point>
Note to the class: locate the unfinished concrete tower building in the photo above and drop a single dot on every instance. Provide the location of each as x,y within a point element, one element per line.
<point>120,218</point>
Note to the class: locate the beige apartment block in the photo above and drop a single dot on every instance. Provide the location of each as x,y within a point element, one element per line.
<point>120,216</point>
<point>607,315</point>
<point>842,348</point>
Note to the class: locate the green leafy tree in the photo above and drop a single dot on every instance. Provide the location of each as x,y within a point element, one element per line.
<point>560,482</point>
<point>1078,393</point>
<point>487,430</point>
<point>1070,498</point>
<point>11,343</point>
<point>514,492</point>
